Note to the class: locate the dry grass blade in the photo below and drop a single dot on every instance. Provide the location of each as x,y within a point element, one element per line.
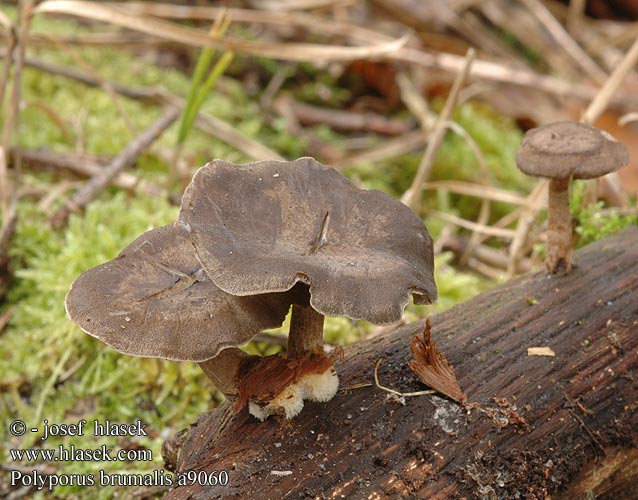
<point>628,118</point>
<point>5,22</point>
<point>113,14</point>
<point>390,148</point>
<point>4,318</point>
<point>484,213</point>
<point>562,37</point>
<point>607,91</point>
<point>477,191</point>
<point>431,367</point>
<point>497,72</point>
<point>412,197</point>
<point>7,232</point>
<point>415,102</point>
<point>535,202</point>
<point>85,166</point>
<point>301,4</point>
<point>7,195</point>
<point>574,15</point>
<point>316,24</point>
<point>473,226</point>
<point>392,391</point>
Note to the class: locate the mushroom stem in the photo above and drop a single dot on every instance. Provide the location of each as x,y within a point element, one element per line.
<point>306,331</point>
<point>223,370</point>
<point>559,227</point>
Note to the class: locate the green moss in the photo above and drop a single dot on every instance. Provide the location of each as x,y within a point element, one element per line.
<point>592,222</point>
<point>52,370</point>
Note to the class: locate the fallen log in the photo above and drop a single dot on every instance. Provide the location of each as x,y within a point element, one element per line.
<point>564,426</point>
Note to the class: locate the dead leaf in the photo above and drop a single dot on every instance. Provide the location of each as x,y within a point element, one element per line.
<point>431,367</point>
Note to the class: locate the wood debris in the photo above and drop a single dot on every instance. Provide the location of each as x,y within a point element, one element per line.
<point>540,351</point>
<point>431,367</point>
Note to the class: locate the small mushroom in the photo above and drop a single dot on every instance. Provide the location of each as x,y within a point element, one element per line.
<point>155,300</point>
<point>269,226</point>
<point>560,151</point>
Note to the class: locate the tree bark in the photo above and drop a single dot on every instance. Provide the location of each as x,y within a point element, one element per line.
<point>534,427</point>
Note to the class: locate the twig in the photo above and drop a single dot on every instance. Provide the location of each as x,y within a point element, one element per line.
<point>412,197</point>
<point>360,385</point>
<point>597,445</point>
<point>127,157</point>
<point>562,37</point>
<point>484,212</point>
<point>602,99</point>
<point>628,118</point>
<point>11,118</point>
<point>477,190</point>
<point>574,15</point>
<point>415,102</point>
<point>491,256</point>
<point>87,166</point>
<point>144,94</point>
<point>493,71</point>
<point>535,201</point>
<point>4,318</point>
<point>337,119</point>
<point>229,134</point>
<point>392,391</point>
<point>487,70</point>
<point>473,226</point>
<point>193,37</point>
<point>7,232</point>
<point>6,68</point>
<point>390,148</point>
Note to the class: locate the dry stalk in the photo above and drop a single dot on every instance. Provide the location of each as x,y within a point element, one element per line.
<point>492,230</point>
<point>392,391</point>
<point>193,37</point>
<point>478,191</point>
<point>535,202</point>
<point>412,197</point>
<point>8,196</point>
<point>563,38</point>
<point>575,15</point>
<point>484,212</point>
<point>603,97</point>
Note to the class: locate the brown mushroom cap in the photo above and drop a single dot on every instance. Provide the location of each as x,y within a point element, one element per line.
<point>154,299</point>
<point>570,149</point>
<point>263,226</point>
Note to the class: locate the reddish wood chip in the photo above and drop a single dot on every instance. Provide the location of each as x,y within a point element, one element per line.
<point>264,378</point>
<point>431,367</point>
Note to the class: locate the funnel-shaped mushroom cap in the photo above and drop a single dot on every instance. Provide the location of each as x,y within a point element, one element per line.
<point>570,149</point>
<point>263,226</point>
<point>154,299</point>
